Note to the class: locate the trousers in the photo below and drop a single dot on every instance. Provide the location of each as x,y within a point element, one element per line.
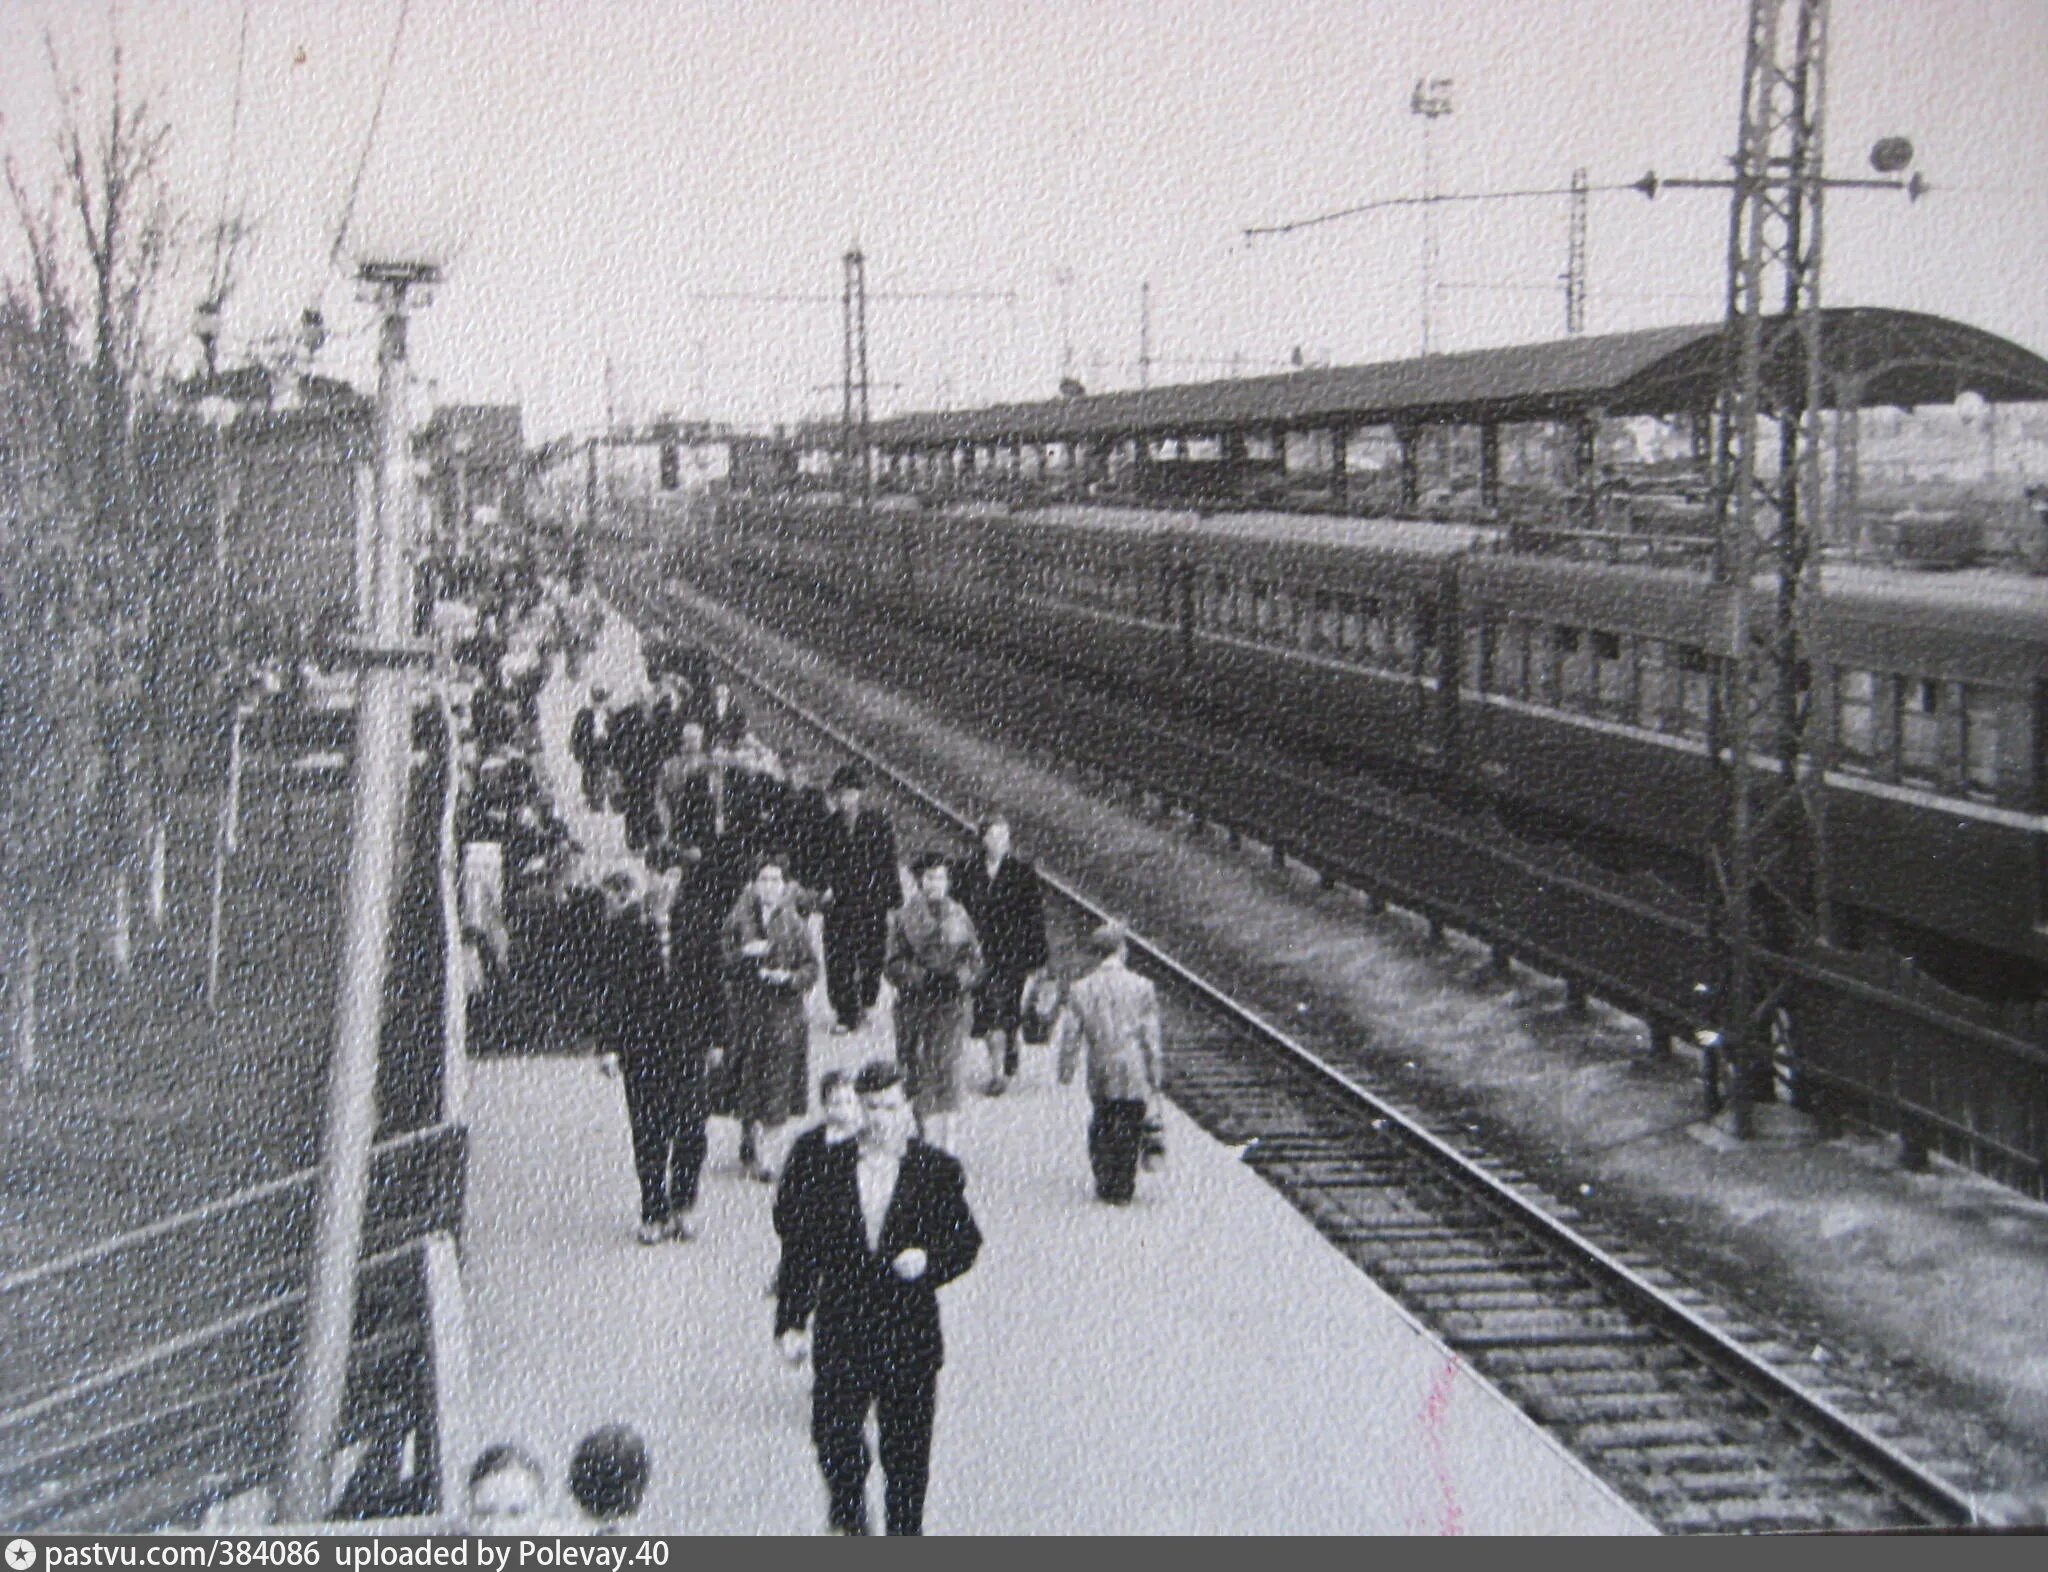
<point>855,943</point>
<point>1116,1136</point>
<point>904,1404</point>
<point>666,1107</point>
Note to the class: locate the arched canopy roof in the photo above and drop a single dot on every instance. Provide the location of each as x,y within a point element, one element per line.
<point>1874,356</point>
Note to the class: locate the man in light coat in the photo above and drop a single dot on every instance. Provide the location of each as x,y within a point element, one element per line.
<point>1113,1014</point>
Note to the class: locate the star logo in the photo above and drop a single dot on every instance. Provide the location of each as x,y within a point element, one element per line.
<point>21,1554</point>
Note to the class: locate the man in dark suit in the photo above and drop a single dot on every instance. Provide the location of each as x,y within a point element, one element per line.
<point>857,869</point>
<point>590,737</point>
<point>650,1014</point>
<point>879,1229</point>
<point>808,1155</point>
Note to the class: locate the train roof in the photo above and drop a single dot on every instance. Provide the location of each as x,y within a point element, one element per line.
<point>2007,607</point>
<point>1879,356</point>
<point>1294,529</point>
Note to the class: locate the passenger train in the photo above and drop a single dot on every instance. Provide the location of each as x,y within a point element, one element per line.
<point>1570,693</point>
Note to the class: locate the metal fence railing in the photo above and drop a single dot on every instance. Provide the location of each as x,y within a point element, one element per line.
<point>147,1377</point>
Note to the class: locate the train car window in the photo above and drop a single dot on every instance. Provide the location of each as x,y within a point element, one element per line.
<point>1575,676</point>
<point>1401,637</point>
<point>1329,622</point>
<point>1475,656</point>
<point>1696,689</point>
<point>1511,658</point>
<point>1920,730</point>
<point>1610,675</point>
<point>1984,711</point>
<point>1376,640</point>
<point>1283,616</point>
<point>1350,627</point>
<point>1856,719</point>
<point>1653,685</point>
<point>1262,607</point>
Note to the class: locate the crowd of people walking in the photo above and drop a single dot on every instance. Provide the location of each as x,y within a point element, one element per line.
<point>661,882</point>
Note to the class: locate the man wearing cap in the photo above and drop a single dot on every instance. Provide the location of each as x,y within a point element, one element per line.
<point>1114,1014</point>
<point>861,886</point>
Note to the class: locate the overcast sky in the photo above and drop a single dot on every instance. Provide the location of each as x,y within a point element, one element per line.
<point>585,166</point>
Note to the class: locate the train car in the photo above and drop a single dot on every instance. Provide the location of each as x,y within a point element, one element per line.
<point>1339,631</point>
<point>1094,590</point>
<point>1588,699</point>
<point>1587,692</point>
<point>1933,707</point>
<point>1576,695</point>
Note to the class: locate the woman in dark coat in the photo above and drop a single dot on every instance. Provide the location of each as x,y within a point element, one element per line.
<point>769,968</point>
<point>933,960</point>
<point>1003,897</point>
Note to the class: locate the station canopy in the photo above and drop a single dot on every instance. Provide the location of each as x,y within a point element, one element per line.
<point>1873,356</point>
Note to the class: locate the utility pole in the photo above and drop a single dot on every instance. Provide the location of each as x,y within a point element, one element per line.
<point>383,745</point>
<point>1767,487</point>
<point>1770,865</point>
<point>852,300</point>
<point>1063,278</point>
<point>611,426</point>
<point>1432,101</point>
<point>855,413</point>
<point>1145,334</point>
<point>1575,256</point>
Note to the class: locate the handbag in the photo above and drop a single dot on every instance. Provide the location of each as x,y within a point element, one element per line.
<point>1043,998</point>
<point>1152,1141</point>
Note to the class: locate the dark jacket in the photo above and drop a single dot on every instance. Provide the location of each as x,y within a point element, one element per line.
<point>802,1170</point>
<point>584,746</point>
<point>868,1319</point>
<point>629,1005</point>
<point>859,865</point>
<point>803,821</point>
<point>1008,913</point>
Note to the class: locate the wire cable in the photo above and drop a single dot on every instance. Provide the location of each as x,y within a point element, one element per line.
<point>218,277</point>
<point>355,185</point>
<point>1257,230</point>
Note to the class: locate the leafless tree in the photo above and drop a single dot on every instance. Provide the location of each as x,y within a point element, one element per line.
<point>81,601</point>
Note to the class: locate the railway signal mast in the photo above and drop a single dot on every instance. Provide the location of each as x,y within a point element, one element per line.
<point>1432,101</point>
<point>1575,256</point>
<point>855,451</point>
<point>1766,485</point>
<point>1771,870</point>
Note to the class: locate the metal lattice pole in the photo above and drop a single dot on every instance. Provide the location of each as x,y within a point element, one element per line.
<point>1575,255</point>
<point>1768,491</point>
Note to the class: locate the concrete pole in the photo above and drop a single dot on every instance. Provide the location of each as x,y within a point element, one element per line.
<point>382,751</point>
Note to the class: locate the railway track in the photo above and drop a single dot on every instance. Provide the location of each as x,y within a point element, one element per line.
<point>1660,1392</point>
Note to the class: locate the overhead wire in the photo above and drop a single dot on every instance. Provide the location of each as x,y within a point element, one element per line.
<point>1255,231</point>
<point>355,184</point>
<point>331,264</point>
<point>217,278</point>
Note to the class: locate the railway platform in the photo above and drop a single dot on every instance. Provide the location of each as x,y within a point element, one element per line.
<point>1201,1362</point>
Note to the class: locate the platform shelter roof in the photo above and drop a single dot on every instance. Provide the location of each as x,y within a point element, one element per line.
<point>1874,356</point>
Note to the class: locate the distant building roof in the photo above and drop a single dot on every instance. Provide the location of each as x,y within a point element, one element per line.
<point>1890,357</point>
<point>494,433</point>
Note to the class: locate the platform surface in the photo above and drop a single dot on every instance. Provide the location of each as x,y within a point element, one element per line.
<point>1201,1362</point>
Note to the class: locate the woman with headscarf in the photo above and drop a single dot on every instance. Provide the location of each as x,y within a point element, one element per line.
<point>933,960</point>
<point>769,968</point>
